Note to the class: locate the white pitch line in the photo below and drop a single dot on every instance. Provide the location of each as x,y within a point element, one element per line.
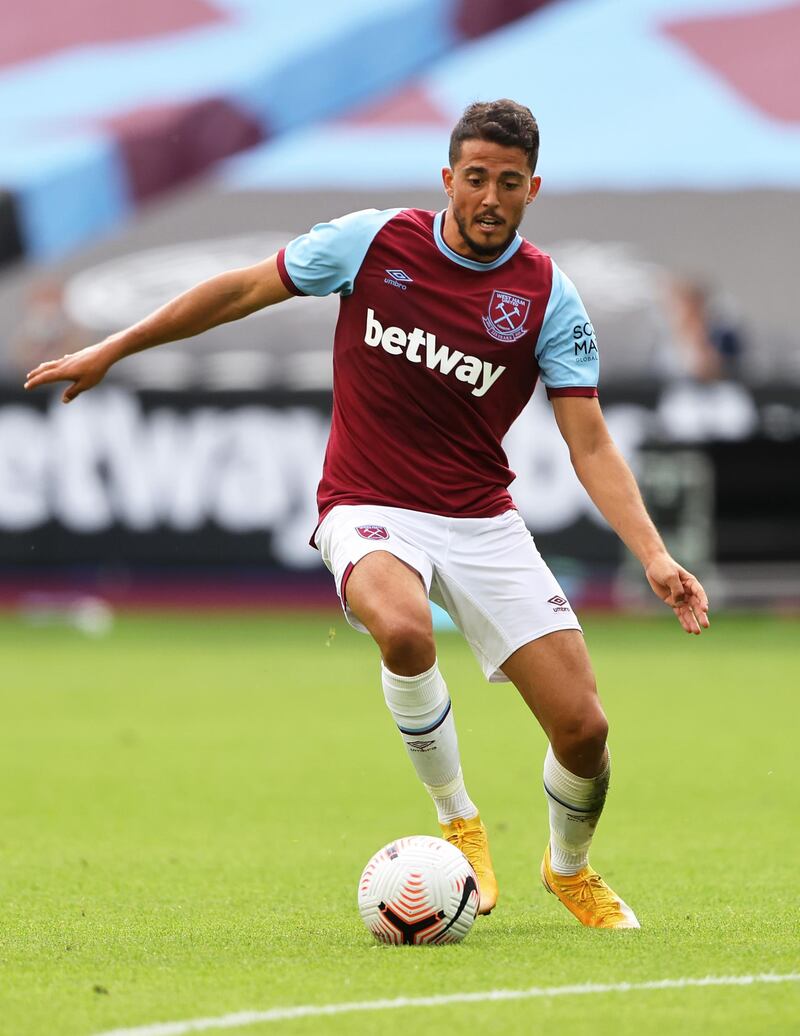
<point>282,1014</point>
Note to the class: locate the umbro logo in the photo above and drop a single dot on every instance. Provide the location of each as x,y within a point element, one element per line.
<point>398,279</point>
<point>559,603</point>
<point>421,746</point>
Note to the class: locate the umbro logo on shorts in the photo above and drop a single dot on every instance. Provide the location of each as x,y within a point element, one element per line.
<point>559,603</point>
<point>372,532</point>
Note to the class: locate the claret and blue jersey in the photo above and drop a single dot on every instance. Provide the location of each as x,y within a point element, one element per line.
<point>435,355</point>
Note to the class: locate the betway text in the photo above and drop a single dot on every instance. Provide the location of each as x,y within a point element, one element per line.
<point>420,346</point>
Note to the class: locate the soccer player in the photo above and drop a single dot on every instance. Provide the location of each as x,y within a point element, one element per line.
<point>447,321</point>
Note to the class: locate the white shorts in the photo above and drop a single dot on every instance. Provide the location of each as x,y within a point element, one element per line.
<point>485,572</point>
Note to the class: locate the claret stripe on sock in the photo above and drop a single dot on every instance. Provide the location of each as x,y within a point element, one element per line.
<point>427,730</point>
<point>568,805</point>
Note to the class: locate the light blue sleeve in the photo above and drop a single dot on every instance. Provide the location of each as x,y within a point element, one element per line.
<point>328,258</point>
<point>567,348</point>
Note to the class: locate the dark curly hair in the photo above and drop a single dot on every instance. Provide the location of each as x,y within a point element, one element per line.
<point>502,122</point>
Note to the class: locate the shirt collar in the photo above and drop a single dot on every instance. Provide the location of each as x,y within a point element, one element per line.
<point>471,264</point>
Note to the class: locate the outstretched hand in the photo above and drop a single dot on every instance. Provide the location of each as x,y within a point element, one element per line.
<point>681,591</point>
<point>84,369</point>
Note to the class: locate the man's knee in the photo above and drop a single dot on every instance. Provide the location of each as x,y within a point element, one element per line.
<point>579,740</point>
<point>406,641</point>
<point>390,599</point>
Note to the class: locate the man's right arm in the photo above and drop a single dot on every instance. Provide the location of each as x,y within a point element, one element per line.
<point>219,300</point>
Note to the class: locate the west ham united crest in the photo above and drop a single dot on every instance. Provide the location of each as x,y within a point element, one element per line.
<point>507,316</point>
<point>372,532</point>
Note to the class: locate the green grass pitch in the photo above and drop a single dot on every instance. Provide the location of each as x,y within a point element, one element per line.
<point>188,802</point>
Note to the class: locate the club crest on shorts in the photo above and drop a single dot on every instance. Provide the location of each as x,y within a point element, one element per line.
<point>372,532</point>
<point>507,316</point>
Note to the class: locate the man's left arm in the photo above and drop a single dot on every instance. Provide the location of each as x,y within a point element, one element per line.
<point>609,481</point>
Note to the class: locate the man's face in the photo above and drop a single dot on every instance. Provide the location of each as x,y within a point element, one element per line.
<point>489,187</point>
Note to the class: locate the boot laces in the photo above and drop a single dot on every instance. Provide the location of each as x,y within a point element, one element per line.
<point>472,844</point>
<point>592,889</point>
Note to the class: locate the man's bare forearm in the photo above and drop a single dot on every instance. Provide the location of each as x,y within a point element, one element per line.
<point>229,296</point>
<point>216,301</point>
<point>609,481</point>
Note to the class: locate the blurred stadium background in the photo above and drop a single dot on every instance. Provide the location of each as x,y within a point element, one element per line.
<point>190,799</point>
<point>147,146</point>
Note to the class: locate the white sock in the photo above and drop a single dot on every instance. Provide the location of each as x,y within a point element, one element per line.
<point>575,807</point>
<point>420,706</point>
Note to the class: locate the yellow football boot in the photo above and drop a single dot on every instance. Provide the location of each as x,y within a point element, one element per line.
<point>470,837</point>
<point>587,896</point>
